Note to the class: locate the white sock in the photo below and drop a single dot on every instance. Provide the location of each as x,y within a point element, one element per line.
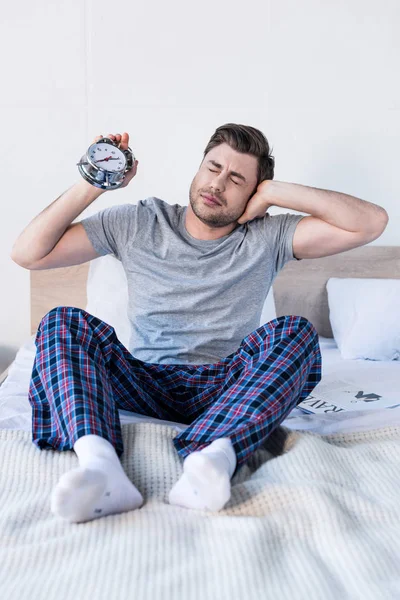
<point>98,487</point>
<point>205,483</point>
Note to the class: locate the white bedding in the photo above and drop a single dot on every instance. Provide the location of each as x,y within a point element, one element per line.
<point>318,520</point>
<point>383,377</point>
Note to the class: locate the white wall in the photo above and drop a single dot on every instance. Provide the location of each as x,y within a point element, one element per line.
<point>319,79</point>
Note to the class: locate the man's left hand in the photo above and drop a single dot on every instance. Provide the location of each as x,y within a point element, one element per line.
<point>258,204</point>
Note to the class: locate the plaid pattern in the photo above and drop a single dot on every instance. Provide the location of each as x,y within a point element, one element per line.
<point>82,374</point>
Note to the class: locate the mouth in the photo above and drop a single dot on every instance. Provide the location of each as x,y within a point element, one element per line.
<point>211,200</point>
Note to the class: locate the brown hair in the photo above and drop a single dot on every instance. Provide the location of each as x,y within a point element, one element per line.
<point>248,140</point>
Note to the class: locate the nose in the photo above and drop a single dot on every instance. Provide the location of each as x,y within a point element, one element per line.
<point>218,183</point>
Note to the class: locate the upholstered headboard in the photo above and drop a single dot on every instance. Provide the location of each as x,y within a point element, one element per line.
<point>299,288</point>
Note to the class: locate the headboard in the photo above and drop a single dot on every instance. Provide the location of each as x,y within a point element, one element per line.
<point>299,288</point>
<point>57,287</point>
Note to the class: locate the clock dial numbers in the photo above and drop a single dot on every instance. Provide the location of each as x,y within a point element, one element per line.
<point>108,157</point>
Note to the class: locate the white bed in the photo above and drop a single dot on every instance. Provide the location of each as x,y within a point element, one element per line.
<point>314,514</point>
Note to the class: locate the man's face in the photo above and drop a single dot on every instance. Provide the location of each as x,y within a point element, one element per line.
<point>230,189</point>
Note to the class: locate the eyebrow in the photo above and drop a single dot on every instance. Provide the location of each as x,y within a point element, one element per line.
<point>232,172</point>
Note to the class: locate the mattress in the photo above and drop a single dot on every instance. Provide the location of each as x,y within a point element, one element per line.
<point>381,377</point>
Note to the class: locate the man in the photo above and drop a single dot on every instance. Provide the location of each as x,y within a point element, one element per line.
<point>197,280</point>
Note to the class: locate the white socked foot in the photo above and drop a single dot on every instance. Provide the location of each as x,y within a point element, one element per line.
<point>84,494</point>
<point>98,487</point>
<point>205,482</point>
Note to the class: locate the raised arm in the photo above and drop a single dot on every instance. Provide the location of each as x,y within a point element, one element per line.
<point>51,240</point>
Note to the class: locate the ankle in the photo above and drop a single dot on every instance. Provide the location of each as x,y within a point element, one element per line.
<point>94,449</point>
<point>225,449</point>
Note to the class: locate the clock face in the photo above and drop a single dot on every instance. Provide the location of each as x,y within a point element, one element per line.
<point>108,157</point>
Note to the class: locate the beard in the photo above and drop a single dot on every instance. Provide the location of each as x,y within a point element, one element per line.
<point>213,216</point>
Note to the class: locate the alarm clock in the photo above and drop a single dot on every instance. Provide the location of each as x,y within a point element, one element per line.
<point>104,165</point>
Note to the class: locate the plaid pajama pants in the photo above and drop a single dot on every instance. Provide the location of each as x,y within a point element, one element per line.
<point>82,374</point>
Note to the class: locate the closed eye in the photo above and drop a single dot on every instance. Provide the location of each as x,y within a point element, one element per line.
<point>217,171</point>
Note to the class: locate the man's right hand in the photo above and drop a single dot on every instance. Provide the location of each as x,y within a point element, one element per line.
<point>123,142</point>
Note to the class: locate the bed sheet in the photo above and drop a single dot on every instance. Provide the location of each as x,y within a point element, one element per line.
<point>15,410</point>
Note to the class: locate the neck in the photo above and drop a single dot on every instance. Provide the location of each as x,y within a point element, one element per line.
<point>202,231</point>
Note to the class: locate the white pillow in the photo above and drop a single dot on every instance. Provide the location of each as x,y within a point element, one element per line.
<point>269,310</point>
<point>107,296</point>
<point>365,317</point>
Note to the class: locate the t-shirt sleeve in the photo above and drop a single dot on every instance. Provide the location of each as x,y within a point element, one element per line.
<point>112,229</point>
<point>279,231</point>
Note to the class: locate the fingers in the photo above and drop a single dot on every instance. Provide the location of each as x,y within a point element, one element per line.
<point>120,140</point>
<point>124,142</point>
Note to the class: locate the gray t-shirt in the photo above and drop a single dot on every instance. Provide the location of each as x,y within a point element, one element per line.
<point>190,301</point>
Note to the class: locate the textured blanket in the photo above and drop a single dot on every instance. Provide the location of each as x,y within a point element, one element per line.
<point>310,517</point>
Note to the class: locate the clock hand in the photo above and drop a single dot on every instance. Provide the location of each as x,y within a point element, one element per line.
<point>109,158</point>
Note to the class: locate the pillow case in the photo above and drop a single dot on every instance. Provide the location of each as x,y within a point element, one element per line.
<point>365,317</point>
<point>107,296</point>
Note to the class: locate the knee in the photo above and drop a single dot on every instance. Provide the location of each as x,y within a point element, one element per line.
<point>309,329</point>
<point>292,321</point>
<point>58,313</point>
<point>306,324</point>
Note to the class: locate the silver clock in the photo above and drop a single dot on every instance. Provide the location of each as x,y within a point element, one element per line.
<point>104,165</point>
